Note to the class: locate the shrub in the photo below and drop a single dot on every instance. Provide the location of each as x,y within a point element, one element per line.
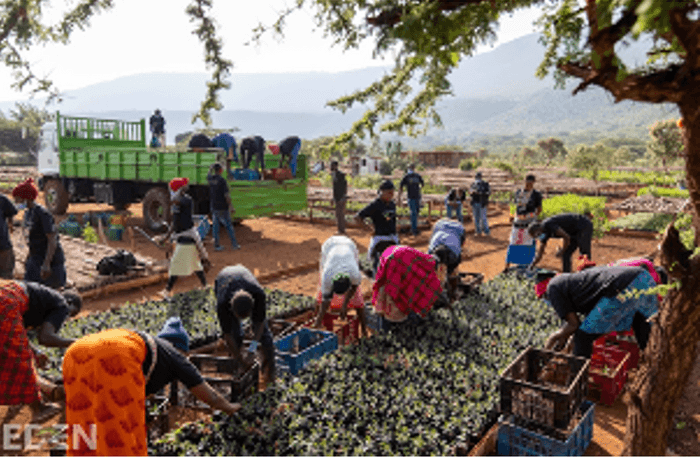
<point>663,192</point>
<point>385,168</point>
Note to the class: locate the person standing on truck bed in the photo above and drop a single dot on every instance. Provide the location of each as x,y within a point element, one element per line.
<point>226,142</point>
<point>188,246</point>
<point>289,149</point>
<point>45,262</point>
<point>7,254</point>
<point>253,145</point>
<point>157,124</point>
<point>220,201</point>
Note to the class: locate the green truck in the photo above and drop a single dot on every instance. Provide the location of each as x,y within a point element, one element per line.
<point>107,161</point>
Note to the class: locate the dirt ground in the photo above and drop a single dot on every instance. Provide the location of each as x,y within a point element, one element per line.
<point>271,246</point>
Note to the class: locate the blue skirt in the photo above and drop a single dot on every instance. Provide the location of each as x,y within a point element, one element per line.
<point>617,313</point>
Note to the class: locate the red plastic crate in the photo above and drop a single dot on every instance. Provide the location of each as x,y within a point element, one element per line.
<point>347,333</point>
<point>607,374</point>
<point>622,340</point>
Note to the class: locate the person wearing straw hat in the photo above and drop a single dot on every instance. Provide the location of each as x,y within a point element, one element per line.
<point>340,276</point>
<point>188,245</point>
<point>45,262</point>
<point>28,305</point>
<point>608,297</point>
<point>108,375</point>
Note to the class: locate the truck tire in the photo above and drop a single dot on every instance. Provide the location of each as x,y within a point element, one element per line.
<point>56,197</point>
<point>156,209</point>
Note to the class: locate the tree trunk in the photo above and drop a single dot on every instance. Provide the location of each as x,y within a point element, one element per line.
<point>668,359</point>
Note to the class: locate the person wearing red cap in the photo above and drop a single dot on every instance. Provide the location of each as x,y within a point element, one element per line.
<point>188,245</point>
<point>45,263</point>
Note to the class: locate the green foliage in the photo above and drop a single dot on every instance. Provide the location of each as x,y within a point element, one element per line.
<point>666,142</point>
<point>89,234</point>
<point>664,192</point>
<point>508,168</point>
<point>635,177</point>
<point>469,164</point>
<point>385,168</point>
<point>589,158</point>
<point>552,148</point>
<point>651,222</point>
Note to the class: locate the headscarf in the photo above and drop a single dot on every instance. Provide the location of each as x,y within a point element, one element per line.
<point>175,333</point>
<point>26,191</point>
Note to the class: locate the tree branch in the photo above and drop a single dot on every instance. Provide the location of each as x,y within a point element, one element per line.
<point>392,16</point>
<point>686,31</point>
<point>660,87</point>
<point>10,24</point>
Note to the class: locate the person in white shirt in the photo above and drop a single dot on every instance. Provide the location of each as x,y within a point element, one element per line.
<point>341,275</point>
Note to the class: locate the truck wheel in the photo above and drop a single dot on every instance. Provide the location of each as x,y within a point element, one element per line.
<point>156,209</point>
<point>56,197</point>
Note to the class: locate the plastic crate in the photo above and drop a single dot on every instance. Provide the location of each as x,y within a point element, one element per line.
<point>347,333</point>
<point>552,401</point>
<point>625,341</point>
<point>219,373</point>
<point>518,437</point>
<point>278,327</point>
<point>115,232</point>
<point>246,174</point>
<point>312,344</point>
<point>521,254</point>
<point>607,374</point>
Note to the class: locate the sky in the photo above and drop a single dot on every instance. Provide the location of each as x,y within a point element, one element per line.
<point>138,36</point>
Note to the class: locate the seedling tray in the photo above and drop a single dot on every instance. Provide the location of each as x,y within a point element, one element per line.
<point>544,386</point>
<point>608,374</point>
<point>521,437</point>
<point>311,344</point>
<point>279,328</point>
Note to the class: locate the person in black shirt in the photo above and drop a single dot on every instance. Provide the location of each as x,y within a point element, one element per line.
<point>528,206</point>
<point>221,209</point>
<point>413,182</point>
<point>480,191</point>
<point>609,299</point>
<point>253,146</point>
<point>238,296</point>
<point>157,125</point>
<point>382,211</point>
<point>23,306</point>
<point>45,263</point>
<point>108,375</point>
<point>7,254</point>
<point>453,203</point>
<point>289,150</point>
<point>188,246</point>
<point>340,195</point>
<point>575,229</point>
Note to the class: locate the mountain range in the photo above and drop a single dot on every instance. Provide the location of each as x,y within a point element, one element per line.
<point>495,93</point>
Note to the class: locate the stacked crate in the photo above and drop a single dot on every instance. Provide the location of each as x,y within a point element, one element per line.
<point>612,358</point>
<point>543,405</point>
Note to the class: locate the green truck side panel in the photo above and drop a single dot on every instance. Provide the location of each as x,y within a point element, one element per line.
<point>106,150</point>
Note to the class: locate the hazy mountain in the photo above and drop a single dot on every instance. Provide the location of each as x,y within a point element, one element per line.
<point>495,92</point>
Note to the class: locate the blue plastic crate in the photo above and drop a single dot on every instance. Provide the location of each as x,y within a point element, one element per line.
<point>309,350</point>
<point>521,254</point>
<point>515,436</point>
<point>246,174</point>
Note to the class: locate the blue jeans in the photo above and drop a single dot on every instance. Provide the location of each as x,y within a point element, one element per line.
<point>223,217</point>
<point>293,162</point>
<point>414,205</point>
<point>481,224</point>
<point>457,209</point>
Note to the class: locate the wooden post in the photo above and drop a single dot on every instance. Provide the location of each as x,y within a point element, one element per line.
<point>132,240</point>
<point>101,232</point>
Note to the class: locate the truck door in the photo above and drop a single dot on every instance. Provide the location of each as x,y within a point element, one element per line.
<point>48,159</point>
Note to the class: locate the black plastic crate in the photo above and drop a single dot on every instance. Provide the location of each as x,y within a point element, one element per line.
<point>223,375</point>
<point>544,386</point>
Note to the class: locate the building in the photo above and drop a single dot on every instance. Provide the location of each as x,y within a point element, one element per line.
<point>365,165</point>
<point>450,159</point>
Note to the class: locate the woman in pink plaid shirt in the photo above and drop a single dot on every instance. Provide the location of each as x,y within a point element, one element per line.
<point>408,282</point>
